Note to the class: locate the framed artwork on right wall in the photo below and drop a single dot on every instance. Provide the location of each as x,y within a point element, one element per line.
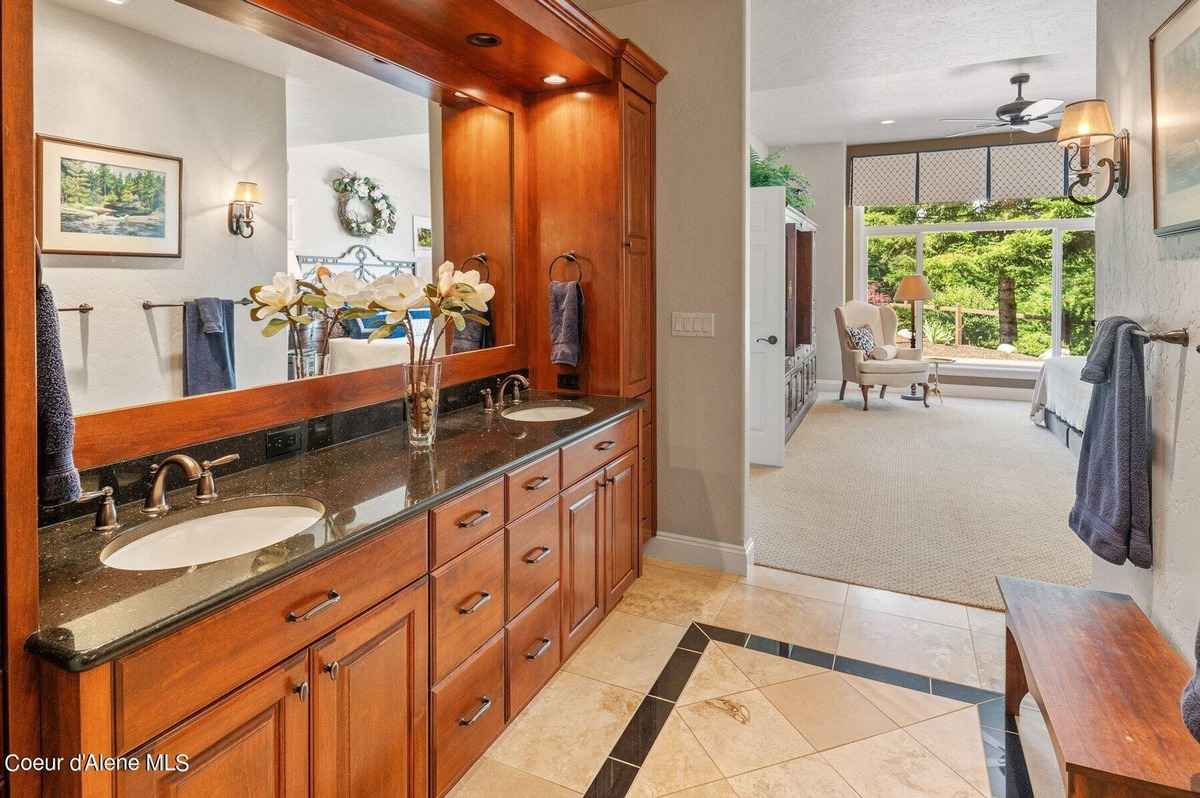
<point>1175,109</point>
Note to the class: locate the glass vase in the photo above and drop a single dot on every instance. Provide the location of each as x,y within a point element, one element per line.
<point>423,382</point>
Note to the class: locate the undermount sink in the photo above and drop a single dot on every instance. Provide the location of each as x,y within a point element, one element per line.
<point>547,411</point>
<point>210,532</point>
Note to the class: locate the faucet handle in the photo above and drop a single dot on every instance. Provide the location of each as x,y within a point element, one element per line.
<point>106,511</point>
<point>206,488</point>
<point>488,404</point>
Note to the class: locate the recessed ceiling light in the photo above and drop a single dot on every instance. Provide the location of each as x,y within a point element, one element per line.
<point>462,95</point>
<point>484,39</point>
<point>887,122</point>
<point>555,79</point>
<point>118,2</point>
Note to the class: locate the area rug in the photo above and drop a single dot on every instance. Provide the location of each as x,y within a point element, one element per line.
<point>933,502</point>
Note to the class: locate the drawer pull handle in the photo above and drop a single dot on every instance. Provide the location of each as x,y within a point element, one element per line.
<point>474,519</point>
<point>536,482</point>
<point>333,669</point>
<point>542,648</point>
<point>484,598</point>
<point>604,446</point>
<point>610,481</point>
<point>535,560</point>
<point>302,691</point>
<point>333,598</point>
<point>485,703</point>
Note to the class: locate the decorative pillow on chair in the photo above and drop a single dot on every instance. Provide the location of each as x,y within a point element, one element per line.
<point>883,352</point>
<point>862,338</point>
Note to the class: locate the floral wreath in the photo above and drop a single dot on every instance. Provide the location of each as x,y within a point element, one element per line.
<point>383,217</point>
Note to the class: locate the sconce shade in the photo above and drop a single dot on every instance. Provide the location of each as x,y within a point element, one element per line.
<point>913,288</point>
<point>247,192</point>
<point>1084,121</point>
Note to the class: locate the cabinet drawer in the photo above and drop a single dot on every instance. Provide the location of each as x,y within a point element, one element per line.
<point>531,485</point>
<point>460,523</point>
<point>534,650</point>
<point>534,552</point>
<point>468,713</point>
<point>468,604</point>
<point>585,456</point>
<point>170,679</point>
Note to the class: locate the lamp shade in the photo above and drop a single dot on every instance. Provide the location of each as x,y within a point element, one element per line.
<point>245,191</point>
<point>1083,121</point>
<point>913,288</point>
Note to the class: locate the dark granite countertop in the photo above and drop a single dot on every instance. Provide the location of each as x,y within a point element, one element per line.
<point>91,613</point>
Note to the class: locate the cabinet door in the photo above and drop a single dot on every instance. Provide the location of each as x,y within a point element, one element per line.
<point>582,582</point>
<point>637,261</point>
<point>621,527</point>
<point>371,702</point>
<point>252,744</point>
<point>789,290</point>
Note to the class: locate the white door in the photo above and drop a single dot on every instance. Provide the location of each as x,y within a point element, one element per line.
<point>765,418</point>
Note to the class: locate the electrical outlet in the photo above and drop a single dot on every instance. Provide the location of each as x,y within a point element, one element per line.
<point>696,325</point>
<point>284,441</point>
<point>320,432</point>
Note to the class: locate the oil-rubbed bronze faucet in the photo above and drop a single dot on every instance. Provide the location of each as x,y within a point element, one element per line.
<point>206,490</point>
<point>519,382</point>
<point>106,510</point>
<point>156,500</point>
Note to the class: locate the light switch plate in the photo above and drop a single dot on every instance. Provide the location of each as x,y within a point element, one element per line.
<point>697,325</point>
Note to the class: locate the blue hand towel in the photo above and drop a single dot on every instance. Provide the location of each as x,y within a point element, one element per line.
<point>1112,487</point>
<point>208,359</point>
<point>58,479</point>
<point>566,323</point>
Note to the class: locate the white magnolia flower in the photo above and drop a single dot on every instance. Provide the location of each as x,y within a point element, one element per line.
<point>474,293</point>
<point>343,288</point>
<point>399,293</point>
<point>445,278</point>
<point>280,294</point>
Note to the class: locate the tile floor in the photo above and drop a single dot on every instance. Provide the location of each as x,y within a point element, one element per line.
<point>787,686</point>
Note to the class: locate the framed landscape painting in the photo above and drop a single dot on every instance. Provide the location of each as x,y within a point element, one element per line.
<point>422,234</point>
<point>1175,103</point>
<point>94,199</point>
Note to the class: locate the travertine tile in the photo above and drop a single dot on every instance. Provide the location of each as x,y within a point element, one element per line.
<point>715,675</point>
<point>827,710</point>
<point>743,732</point>
<point>689,568</point>
<point>566,732</point>
<point>870,598</point>
<point>808,777</point>
<point>1045,776</point>
<point>489,778</point>
<point>989,622</point>
<point>674,596</point>
<point>763,669</point>
<point>957,740</point>
<point>717,789</point>
<point>796,584</point>
<point>905,707</point>
<point>627,650</point>
<point>932,649</point>
<point>989,656</point>
<point>676,762</point>
<point>781,616</point>
<point>894,765</point>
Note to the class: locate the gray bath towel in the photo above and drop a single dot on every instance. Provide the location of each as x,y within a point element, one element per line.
<point>1190,704</point>
<point>1112,487</point>
<point>474,335</point>
<point>566,323</point>
<point>208,361</point>
<point>58,479</point>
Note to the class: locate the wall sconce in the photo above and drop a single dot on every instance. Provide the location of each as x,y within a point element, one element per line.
<point>1085,125</point>
<point>241,209</point>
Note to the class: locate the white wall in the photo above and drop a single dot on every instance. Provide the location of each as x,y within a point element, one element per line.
<point>701,227</point>
<point>825,167</point>
<point>318,230</point>
<point>100,82</point>
<point>756,143</point>
<point>1157,282</point>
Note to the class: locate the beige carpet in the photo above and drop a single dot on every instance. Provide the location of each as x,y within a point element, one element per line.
<point>933,502</point>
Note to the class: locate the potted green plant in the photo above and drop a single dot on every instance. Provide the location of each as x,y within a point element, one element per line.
<point>772,171</point>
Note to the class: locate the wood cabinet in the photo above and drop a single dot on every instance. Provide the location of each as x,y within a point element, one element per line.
<point>622,530</point>
<point>468,713</point>
<point>582,512</point>
<point>637,243</point>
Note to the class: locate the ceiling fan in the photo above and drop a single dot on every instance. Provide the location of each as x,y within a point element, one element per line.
<point>1029,116</point>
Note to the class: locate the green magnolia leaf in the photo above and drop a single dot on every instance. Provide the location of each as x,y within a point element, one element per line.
<point>254,292</point>
<point>431,291</point>
<point>313,300</point>
<point>382,331</point>
<point>303,319</point>
<point>273,327</point>
<point>357,313</point>
<point>475,317</point>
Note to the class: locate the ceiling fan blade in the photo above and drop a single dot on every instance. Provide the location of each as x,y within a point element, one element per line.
<point>1041,107</point>
<point>991,120</point>
<point>977,130</point>
<point>1035,127</point>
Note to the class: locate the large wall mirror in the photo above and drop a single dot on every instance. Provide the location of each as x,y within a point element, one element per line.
<point>184,158</point>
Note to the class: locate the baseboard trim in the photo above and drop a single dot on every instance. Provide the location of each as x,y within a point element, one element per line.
<point>948,389</point>
<point>700,551</point>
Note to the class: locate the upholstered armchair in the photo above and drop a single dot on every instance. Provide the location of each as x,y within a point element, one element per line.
<point>905,369</point>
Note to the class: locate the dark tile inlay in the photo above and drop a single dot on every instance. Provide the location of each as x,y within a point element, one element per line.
<point>613,780</point>
<point>991,716</point>
<point>694,639</point>
<point>675,674</point>
<point>882,673</point>
<point>1016,772</point>
<point>963,692</point>
<point>642,730</point>
<point>821,659</point>
<point>723,635</point>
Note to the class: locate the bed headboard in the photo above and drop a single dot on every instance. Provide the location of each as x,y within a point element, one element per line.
<point>359,259</point>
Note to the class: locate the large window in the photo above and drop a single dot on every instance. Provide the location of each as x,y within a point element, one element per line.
<point>1013,281</point>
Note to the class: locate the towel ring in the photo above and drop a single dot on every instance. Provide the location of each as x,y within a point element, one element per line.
<point>570,257</point>
<point>482,259</point>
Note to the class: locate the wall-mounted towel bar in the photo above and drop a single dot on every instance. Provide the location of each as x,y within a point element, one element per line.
<point>1177,337</point>
<point>148,305</point>
<point>82,307</point>
<point>570,257</point>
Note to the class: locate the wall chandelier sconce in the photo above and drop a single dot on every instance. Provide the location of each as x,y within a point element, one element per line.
<point>241,209</point>
<point>1086,125</point>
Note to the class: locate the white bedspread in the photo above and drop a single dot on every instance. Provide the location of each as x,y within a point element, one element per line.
<point>353,354</point>
<point>1060,390</point>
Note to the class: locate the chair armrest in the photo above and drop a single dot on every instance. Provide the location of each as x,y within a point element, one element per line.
<point>908,354</point>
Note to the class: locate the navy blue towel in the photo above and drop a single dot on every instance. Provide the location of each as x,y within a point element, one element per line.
<point>208,361</point>
<point>58,479</point>
<point>566,323</point>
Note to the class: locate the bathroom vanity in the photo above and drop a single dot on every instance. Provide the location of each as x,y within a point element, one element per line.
<point>379,651</point>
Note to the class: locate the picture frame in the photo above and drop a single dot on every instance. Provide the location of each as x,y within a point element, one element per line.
<point>422,234</point>
<point>1175,118</point>
<point>99,199</point>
